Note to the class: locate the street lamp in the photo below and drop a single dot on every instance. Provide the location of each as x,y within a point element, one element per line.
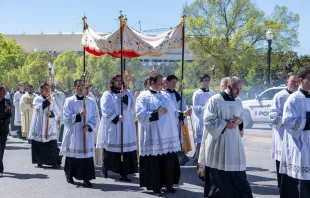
<point>269,37</point>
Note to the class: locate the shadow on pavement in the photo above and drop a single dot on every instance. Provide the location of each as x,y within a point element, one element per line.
<point>264,189</point>
<point>261,189</point>
<point>8,147</point>
<point>110,187</point>
<point>25,176</point>
<point>111,175</point>
<point>13,142</point>
<point>255,178</point>
<point>256,169</point>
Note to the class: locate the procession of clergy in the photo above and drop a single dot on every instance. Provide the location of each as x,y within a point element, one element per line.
<point>156,130</point>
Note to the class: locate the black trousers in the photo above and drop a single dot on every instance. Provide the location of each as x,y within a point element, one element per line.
<point>207,181</point>
<point>197,151</point>
<point>19,131</point>
<point>294,188</point>
<point>4,131</point>
<point>231,184</point>
<point>279,175</point>
<point>61,132</point>
<point>289,187</point>
<point>304,188</point>
<point>158,171</point>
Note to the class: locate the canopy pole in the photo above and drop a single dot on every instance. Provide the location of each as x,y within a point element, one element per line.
<point>182,74</point>
<point>84,97</point>
<point>121,18</point>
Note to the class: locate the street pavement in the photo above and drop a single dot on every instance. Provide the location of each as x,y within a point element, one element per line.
<point>23,179</point>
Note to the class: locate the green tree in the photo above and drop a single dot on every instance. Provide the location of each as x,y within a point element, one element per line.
<point>35,69</point>
<point>227,32</point>
<point>65,69</point>
<point>300,62</point>
<point>11,78</point>
<point>12,56</point>
<point>102,70</point>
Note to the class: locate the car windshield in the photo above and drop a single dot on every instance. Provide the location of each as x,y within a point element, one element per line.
<point>269,94</point>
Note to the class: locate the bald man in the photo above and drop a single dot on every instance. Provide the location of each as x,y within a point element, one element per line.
<point>224,83</point>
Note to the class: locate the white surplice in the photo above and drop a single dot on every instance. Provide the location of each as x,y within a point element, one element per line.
<point>222,148</point>
<point>295,161</point>
<point>178,103</point>
<point>109,134</point>
<point>39,120</point>
<point>160,136</point>
<point>16,103</point>
<point>275,117</point>
<point>200,99</point>
<point>72,144</point>
<point>60,98</point>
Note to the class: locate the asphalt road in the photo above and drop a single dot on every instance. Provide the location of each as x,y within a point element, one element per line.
<point>23,179</point>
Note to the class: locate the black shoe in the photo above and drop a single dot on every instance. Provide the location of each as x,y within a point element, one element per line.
<point>56,166</point>
<point>104,173</point>
<point>170,189</point>
<point>87,184</point>
<point>125,178</point>
<point>39,165</point>
<point>157,192</point>
<point>70,180</point>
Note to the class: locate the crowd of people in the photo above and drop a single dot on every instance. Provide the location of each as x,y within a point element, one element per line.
<point>149,129</point>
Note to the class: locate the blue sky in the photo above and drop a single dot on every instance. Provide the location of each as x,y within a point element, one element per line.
<point>31,16</point>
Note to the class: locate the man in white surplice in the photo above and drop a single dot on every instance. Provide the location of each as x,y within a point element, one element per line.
<point>16,103</point>
<point>159,142</point>
<point>295,159</point>
<point>79,159</point>
<point>275,116</point>
<point>171,82</point>
<point>43,130</point>
<point>221,148</point>
<point>200,98</point>
<point>109,134</point>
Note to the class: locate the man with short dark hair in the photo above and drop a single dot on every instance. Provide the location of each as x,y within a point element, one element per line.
<point>109,134</point>
<point>159,137</point>
<point>200,98</point>
<point>275,116</point>
<point>295,158</point>
<point>79,152</point>
<point>222,148</point>
<point>44,147</point>
<point>16,103</point>
<point>171,82</point>
<point>5,115</point>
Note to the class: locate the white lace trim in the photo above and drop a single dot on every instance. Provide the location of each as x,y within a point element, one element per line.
<point>160,146</point>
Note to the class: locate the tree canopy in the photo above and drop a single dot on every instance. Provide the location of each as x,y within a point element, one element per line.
<point>230,33</point>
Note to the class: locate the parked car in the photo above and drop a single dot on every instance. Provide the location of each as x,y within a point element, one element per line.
<point>257,110</point>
